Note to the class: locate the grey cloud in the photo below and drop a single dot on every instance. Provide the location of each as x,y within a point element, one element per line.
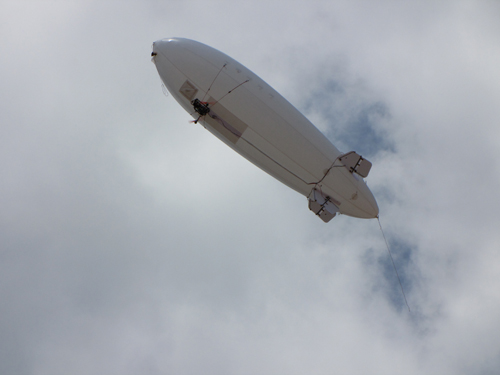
<point>352,122</point>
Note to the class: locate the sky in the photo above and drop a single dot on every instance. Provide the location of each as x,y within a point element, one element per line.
<point>133,241</point>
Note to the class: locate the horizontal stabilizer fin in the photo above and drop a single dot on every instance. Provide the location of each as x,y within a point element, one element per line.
<point>356,163</point>
<point>322,206</point>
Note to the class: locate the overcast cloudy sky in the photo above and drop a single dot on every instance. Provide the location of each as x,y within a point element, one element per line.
<point>134,242</point>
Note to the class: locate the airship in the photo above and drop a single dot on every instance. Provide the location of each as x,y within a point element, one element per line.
<point>254,120</point>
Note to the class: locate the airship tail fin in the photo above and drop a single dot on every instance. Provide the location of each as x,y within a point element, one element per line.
<point>322,206</point>
<point>356,163</point>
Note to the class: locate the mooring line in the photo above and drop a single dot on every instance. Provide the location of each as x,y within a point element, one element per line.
<point>393,264</point>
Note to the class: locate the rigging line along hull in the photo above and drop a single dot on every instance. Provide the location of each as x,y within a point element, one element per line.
<point>258,123</point>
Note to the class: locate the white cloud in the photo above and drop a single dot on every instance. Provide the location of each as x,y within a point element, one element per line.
<point>133,241</point>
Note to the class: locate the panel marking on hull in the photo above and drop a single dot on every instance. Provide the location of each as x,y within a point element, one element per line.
<point>188,90</point>
<point>225,122</point>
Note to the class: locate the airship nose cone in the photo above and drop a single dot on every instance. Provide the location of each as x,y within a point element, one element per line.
<point>158,47</point>
<point>164,45</point>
